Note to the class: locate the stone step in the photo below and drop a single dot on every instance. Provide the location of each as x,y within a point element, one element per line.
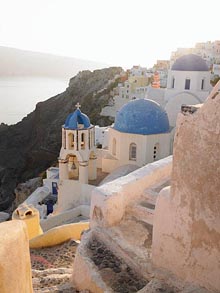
<point>54,280</point>
<point>150,196</point>
<point>52,271</point>
<point>50,280</point>
<point>141,212</point>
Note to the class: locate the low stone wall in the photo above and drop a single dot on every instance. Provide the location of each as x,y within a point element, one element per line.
<point>37,196</point>
<point>85,273</point>
<point>59,235</point>
<point>110,200</point>
<point>62,218</point>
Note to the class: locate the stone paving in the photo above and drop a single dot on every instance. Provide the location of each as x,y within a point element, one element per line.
<point>54,257</point>
<point>52,268</point>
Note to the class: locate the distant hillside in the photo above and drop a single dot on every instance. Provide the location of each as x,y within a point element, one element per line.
<point>16,62</point>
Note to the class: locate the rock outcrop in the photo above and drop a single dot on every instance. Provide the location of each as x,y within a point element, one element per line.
<point>32,145</point>
<point>23,190</point>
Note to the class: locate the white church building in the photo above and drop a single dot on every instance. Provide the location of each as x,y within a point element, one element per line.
<point>140,135</point>
<point>77,158</point>
<point>188,82</point>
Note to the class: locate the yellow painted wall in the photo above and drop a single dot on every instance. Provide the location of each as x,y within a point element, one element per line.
<point>15,265</point>
<point>59,235</point>
<point>138,81</point>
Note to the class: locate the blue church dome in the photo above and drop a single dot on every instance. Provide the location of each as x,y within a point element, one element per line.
<point>142,116</point>
<point>190,62</point>
<point>75,118</point>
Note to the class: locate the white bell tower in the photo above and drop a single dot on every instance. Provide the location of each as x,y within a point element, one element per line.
<point>77,159</point>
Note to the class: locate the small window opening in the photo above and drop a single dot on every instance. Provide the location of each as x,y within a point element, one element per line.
<point>173,83</point>
<point>83,141</point>
<point>202,84</point>
<point>133,152</point>
<point>187,84</point>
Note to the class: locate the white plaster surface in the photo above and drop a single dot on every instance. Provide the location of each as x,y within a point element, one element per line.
<point>37,196</point>
<point>119,172</point>
<point>186,238</point>
<point>144,151</point>
<point>72,194</point>
<point>110,200</point>
<point>68,216</point>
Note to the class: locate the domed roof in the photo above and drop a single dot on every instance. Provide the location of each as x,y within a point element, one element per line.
<point>142,116</point>
<point>190,62</point>
<point>76,118</point>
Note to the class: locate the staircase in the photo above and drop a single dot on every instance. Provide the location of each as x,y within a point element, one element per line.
<point>118,259</point>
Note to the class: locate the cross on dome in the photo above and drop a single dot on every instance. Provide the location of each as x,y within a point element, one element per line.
<point>78,105</point>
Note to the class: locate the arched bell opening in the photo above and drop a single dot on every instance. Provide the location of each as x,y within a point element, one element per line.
<point>73,167</point>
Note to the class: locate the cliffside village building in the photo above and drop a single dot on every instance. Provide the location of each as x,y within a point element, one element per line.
<point>143,132</point>
<point>153,217</point>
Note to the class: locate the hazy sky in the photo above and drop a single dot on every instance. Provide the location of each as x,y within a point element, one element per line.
<point>116,32</point>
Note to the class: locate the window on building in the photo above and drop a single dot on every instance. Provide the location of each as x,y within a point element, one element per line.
<point>71,140</point>
<point>187,84</point>
<point>114,147</point>
<point>156,155</point>
<point>83,141</point>
<point>173,83</point>
<point>202,84</point>
<point>133,152</point>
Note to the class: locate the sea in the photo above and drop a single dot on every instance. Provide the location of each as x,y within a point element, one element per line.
<point>19,95</point>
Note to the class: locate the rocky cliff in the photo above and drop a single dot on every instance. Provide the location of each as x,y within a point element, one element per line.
<point>32,145</point>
